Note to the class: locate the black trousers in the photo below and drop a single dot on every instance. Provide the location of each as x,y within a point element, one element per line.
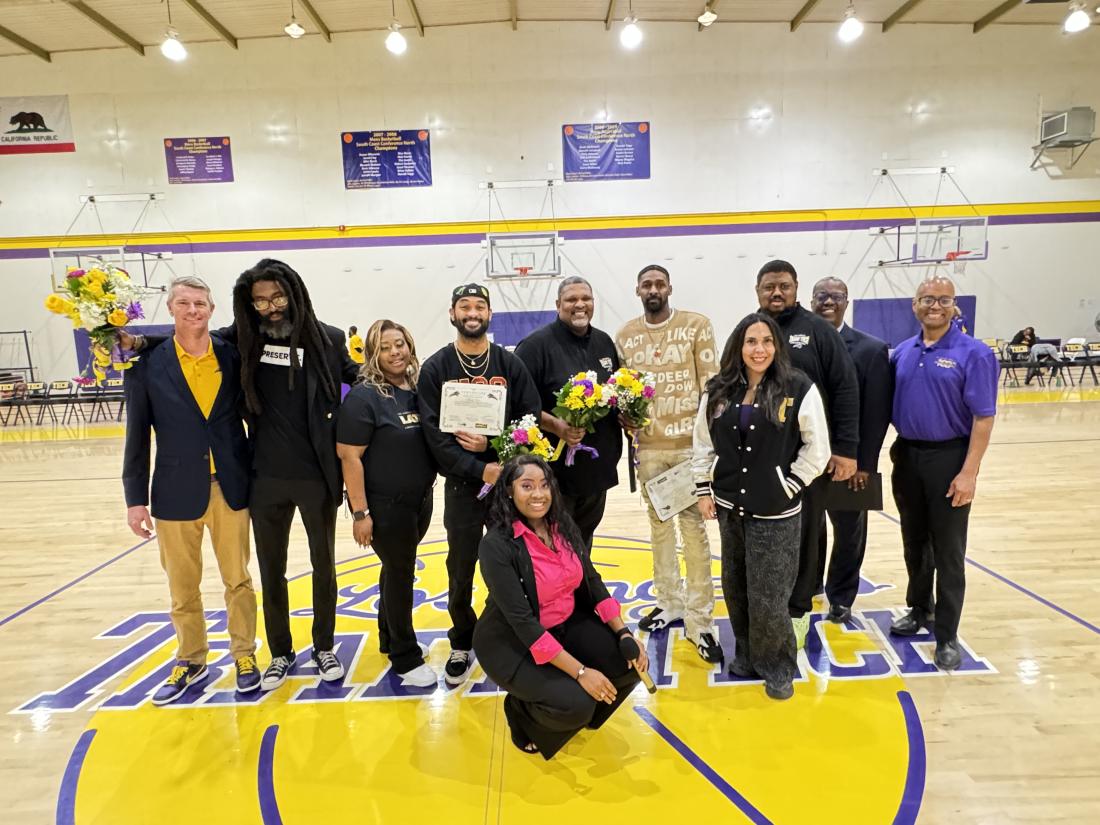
<point>849,548</point>
<point>759,561</point>
<point>933,532</point>
<point>400,523</point>
<point>271,508</point>
<point>464,520</point>
<point>587,512</point>
<point>548,705</point>
<point>808,581</point>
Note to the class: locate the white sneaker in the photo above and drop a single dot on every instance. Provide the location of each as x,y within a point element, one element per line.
<point>658,619</point>
<point>276,672</point>
<point>422,676</point>
<point>457,668</point>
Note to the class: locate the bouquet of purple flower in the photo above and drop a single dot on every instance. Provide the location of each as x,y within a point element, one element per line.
<point>519,438</point>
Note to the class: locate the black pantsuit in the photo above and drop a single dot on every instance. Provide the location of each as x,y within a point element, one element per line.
<point>464,520</point>
<point>932,531</point>
<point>587,513</point>
<point>400,523</point>
<point>849,548</point>
<point>271,509</point>
<point>548,705</point>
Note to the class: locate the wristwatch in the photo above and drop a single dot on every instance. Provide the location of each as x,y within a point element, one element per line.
<point>580,673</point>
<point>359,515</point>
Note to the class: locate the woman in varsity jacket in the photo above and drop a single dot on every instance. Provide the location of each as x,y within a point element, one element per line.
<point>760,438</point>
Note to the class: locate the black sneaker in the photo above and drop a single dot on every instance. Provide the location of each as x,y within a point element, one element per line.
<point>709,649</point>
<point>839,614</point>
<point>276,672</point>
<point>780,691</point>
<point>947,655</point>
<point>742,669</point>
<point>457,668</point>
<point>329,665</point>
<point>658,619</point>
<point>910,624</point>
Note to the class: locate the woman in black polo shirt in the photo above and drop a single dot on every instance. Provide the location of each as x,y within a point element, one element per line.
<point>389,473</point>
<point>760,439</point>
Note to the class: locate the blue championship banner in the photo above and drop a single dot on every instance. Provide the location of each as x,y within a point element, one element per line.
<point>374,160</point>
<point>605,151</point>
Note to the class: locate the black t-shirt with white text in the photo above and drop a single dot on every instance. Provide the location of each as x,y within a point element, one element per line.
<point>397,461</point>
<point>281,432</point>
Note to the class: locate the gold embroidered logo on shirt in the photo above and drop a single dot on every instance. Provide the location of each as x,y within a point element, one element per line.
<point>787,404</point>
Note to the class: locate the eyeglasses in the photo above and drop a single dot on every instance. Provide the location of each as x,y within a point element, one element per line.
<point>835,297</point>
<point>929,301</point>
<point>279,302</point>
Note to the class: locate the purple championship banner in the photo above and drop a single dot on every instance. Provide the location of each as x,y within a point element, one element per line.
<point>605,151</point>
<point>375,160</point>
<point>198,160</point>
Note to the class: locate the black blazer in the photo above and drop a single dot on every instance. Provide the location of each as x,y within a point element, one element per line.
<point>157,397</point>
<point>510,624</point>
<point>322,411</point>
<point>876,393</point>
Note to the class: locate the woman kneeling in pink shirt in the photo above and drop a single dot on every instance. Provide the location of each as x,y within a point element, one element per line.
<point>550,632</point>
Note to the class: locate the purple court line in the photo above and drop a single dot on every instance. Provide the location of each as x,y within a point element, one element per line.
<point>1084,623</point>
<point>711,775</point>
<point>75,581</point>
<point>66,796</point>
<point>265,779</point>
<point>913,792</point>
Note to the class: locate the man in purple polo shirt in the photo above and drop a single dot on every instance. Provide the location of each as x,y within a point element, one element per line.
<point>945,398</point>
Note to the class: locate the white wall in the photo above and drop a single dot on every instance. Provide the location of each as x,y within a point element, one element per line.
<point>744,118</point>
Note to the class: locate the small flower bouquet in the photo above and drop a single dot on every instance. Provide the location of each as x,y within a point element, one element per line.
<point>100,300</point>
<point>581,402</point>
<point>519,438</point>
<point>633,393</point>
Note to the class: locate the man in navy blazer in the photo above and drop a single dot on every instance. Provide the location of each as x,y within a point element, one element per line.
<point>187,391</point>
<point>876,393</point>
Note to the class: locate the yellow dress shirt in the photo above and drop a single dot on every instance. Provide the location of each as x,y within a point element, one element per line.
<point>204,379</point>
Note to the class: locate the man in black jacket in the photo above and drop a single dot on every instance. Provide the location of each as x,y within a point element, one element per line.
<point>817,350</point>
<point>466,459</point>
<point>876,397</point>
<point>553,354</point>
<point>292,366</point>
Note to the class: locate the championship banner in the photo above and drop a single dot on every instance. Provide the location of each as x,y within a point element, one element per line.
<point>198,160</point>
<point>29,125</point>
<point>605,151</point>
<point>375,160</point>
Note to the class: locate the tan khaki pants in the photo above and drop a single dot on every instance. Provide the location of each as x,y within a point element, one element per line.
<point>694,598</point>
<point>181,557</point>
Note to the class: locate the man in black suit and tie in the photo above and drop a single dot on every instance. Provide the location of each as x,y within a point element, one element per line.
<point>876,392</point>
<point>187,390</point>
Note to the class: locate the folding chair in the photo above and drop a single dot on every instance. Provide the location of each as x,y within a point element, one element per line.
<point>1092,359</point>
<point>11,403</point>
<point>111,392</point>
<point>57,395</point>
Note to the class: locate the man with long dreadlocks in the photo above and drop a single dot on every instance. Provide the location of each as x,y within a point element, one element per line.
<point>292,365</point>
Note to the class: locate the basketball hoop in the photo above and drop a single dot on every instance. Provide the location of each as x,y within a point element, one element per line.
<point>523,270</point>
<point>958,266</point>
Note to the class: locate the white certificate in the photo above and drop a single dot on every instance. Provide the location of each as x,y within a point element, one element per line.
<point>673,491</point>
<point>476,408</point>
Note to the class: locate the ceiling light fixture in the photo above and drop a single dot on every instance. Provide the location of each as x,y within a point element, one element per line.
<point>172,48</point>
<point>631,36</point>
<point>707,17</point>
<point>395,40</point>
<point>1078,19</point>
<point>852,27</point>
<point>294,28</point>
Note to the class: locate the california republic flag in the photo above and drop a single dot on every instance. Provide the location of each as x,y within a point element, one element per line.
<point>35,124</point>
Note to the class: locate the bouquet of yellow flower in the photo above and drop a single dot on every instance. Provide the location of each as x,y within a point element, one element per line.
<point>581,402</point>
<point>521,437</point>
<point>634,393</point>
<point>100,300</point>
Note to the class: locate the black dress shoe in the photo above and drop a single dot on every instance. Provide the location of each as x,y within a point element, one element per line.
<point>910,624</point>
<point>947,655</point>
<point>742,669</point>
<point>839,614</point>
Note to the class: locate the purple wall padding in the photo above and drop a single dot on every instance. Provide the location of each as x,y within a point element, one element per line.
<point>892,319</point>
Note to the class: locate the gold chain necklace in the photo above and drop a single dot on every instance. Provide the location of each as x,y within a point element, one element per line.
<point>475,363</point>
<point>663,330</point>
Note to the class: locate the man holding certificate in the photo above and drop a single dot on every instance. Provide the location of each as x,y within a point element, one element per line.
<point>678,348</point>
<point>468,391</point>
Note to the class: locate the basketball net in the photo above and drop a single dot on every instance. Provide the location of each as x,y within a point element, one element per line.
<point>523,270</point>
<point>958,266</point>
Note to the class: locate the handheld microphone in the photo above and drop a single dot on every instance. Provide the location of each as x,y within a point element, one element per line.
<point>630,651</point>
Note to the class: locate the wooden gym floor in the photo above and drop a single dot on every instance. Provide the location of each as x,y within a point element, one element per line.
<point>873,735</point>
